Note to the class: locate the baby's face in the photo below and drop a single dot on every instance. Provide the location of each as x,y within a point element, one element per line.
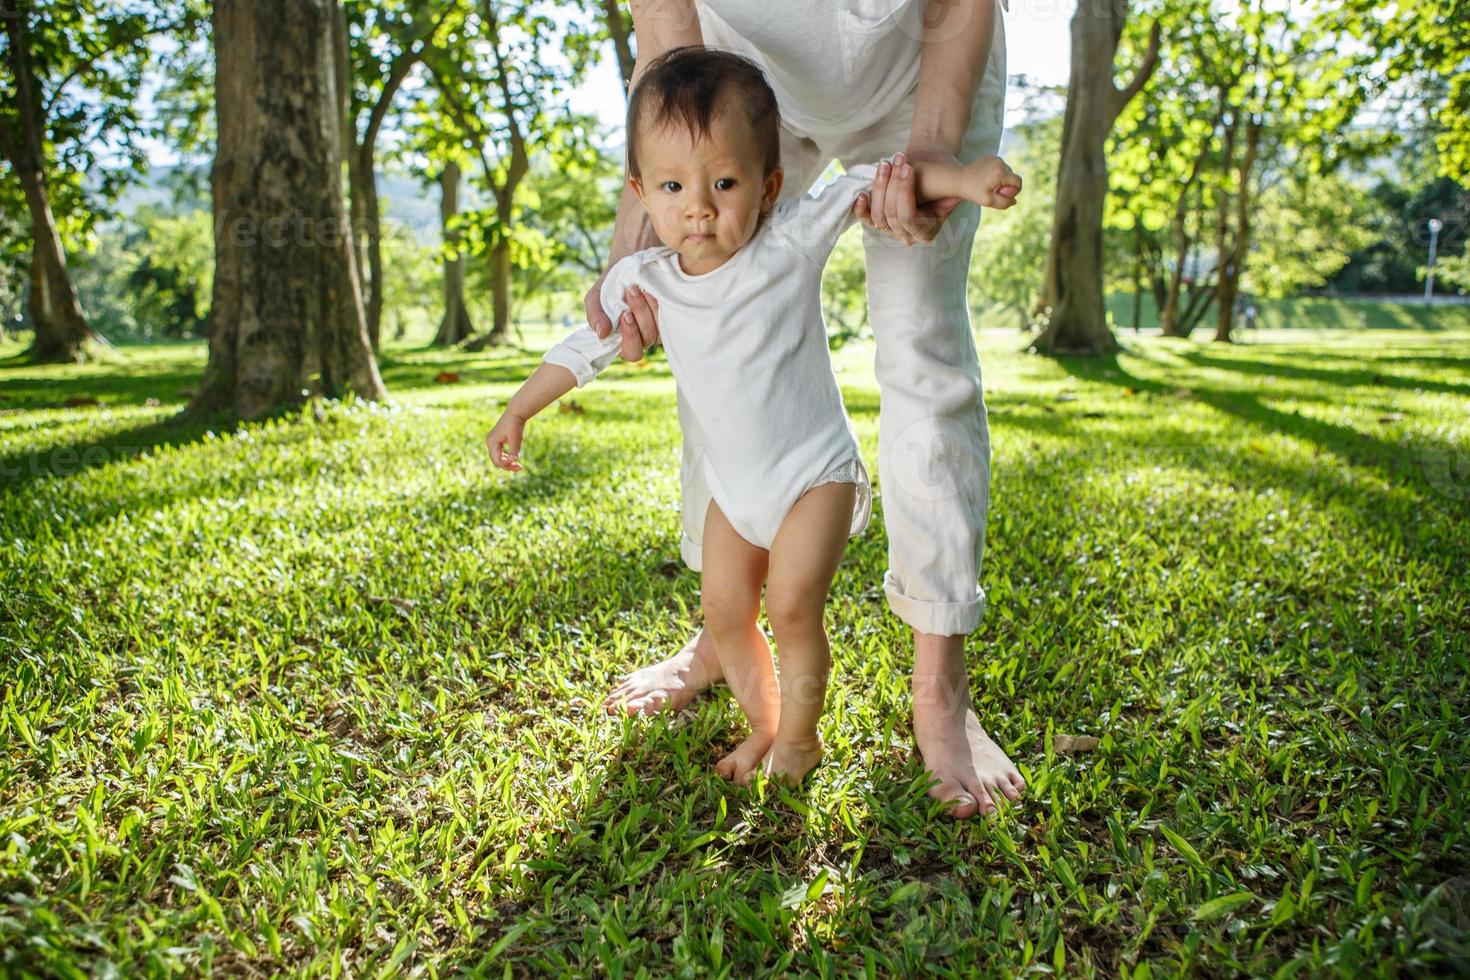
<point>704,196</point>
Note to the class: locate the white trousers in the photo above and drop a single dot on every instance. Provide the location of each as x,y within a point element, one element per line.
<point>933,433</point>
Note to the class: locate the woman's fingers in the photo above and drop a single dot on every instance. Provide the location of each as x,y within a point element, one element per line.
<point>597,318</point>
<point>639,324</point>
<point>878,198</point>
<point>901,201</point>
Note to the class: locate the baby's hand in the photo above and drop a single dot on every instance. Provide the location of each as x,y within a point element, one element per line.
<point>995,184</point>
<point>504,442</point>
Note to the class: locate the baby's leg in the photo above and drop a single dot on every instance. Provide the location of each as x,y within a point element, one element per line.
<point>804,557</point>
<point>730,591</point>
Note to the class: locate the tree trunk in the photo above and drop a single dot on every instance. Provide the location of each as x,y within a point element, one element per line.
<point>357,208</point>
<point>1073,290</point>
<point>1234,267</point>
<point>61,330</point>
<point>1169,315</point>
<point>617,29</point>
<point>456,325</point>
<point>500,291</point>
<point>287,314</point>
<point>374,214</point>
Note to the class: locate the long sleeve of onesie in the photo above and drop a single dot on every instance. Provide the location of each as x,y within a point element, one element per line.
<point>814,222</point>
<point>584,353</point>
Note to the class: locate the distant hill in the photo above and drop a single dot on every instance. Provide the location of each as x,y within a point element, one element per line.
<point>404,197</point>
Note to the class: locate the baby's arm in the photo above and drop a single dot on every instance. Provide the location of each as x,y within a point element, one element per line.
<point>988,182</point>
<point>545,385</point>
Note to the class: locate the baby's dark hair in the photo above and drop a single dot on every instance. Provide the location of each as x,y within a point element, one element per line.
<point>689,85</point>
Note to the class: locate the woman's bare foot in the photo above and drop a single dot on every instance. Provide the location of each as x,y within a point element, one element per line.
<point>790,761</point>
<point>669,684</point>
<point>739,765</point>
<point>972,770</point>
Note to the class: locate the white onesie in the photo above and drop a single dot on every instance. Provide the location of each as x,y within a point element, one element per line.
<point>759,405</point>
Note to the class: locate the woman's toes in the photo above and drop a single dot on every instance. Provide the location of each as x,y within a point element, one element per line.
<point>962,804</point>
<point>1018,782</point>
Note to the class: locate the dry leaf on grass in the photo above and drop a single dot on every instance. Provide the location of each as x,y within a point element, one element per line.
<point>446,378</point>
<point>1074,743</point>
<point>572,407</point>
<point>402,605</point>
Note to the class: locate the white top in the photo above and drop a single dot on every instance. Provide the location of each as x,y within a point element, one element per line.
<point>830,62</point>
<point>748,349</point>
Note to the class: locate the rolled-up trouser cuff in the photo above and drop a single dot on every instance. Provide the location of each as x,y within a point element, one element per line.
<point>938,618</point>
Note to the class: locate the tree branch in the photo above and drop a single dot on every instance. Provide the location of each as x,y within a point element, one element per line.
<point>1146,68</point>
<point>402,65</point>
<point>50,102</point>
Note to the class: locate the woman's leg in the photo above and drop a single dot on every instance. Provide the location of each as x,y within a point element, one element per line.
<point>934,461</point>
<point>730,591</point>
<point>804,557</point>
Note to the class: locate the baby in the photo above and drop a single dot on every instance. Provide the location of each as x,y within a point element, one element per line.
<point>777,485</point>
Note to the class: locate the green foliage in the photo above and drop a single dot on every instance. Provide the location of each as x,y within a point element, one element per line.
<point>1306,229</point>
<point>1399,243</point>
<point>319,695</point>
<point>88,59</point>
<point>170,287</point>
<point>149,278</point>
<point>845,289</point>
<point>1453,271</point>
<point>413,280</point>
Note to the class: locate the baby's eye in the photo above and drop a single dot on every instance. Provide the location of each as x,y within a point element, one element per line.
<point>725,183</point>
<point>672,186</point>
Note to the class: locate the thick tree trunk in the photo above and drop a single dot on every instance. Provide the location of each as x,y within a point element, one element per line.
<point>456,325</point>
<point>61,330</point>
<point>287,313</point>
<point>1073,293</point>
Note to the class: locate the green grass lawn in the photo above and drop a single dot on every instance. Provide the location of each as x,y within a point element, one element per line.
<point>320,695</point>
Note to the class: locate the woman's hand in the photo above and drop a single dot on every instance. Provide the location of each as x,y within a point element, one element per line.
<point>638,325</point>
<point>504,442</point>
<point>891,207</point>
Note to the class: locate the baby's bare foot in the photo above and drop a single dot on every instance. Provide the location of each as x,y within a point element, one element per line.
<point>740,765</point>
<point>669,684</point>
<point>789,761</point>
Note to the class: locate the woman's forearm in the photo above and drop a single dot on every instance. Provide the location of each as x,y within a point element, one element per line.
<point>956,50</point>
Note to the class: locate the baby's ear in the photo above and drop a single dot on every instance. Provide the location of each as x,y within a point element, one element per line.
<point>637,184</point>
<point>772,189</point>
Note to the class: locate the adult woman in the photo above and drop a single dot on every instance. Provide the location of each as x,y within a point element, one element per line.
<point>856,80</point>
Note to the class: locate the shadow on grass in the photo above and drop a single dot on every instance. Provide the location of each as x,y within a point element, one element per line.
<point>1432,470</point>
<point>19,470</point>
<point>1364,376</point>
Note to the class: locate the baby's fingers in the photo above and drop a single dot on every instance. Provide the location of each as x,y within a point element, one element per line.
<point>503,453</point>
